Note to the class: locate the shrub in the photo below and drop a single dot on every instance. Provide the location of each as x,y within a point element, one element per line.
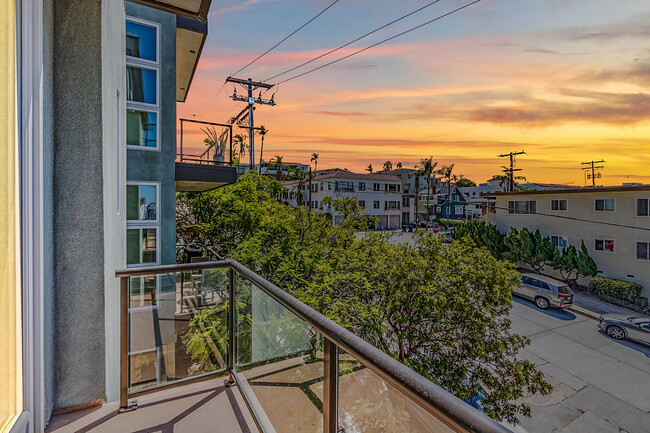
<point>624,290</point>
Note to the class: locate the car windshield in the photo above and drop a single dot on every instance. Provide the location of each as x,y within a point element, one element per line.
<point>564,290</point>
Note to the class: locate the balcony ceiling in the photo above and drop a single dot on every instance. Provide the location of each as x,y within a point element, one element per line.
<point>190,37</point>
<point>197,9</point>
<point>203,177</point>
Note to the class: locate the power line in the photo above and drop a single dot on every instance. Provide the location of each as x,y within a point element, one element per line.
<point>291,34</point>
<point>591,166</point>
<point>381,42</point>
<point>351,42</point>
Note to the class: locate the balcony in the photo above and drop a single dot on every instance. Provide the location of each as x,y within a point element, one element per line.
<point>204,156</point>
<point>283,367</point>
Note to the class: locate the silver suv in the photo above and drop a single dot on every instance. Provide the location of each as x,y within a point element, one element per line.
<point>545,291</point>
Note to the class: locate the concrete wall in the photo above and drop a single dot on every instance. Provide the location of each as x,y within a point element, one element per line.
<point>88,70</point>
<point>157,166</point>
<point>621,263</point>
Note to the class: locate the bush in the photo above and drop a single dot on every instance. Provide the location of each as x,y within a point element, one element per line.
<point>624,290</point>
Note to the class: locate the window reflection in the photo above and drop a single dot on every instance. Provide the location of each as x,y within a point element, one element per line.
<point>140,41</point>
<point>141,128</point>
<point>141,85</point>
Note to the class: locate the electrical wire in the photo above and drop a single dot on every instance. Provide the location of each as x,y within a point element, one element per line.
<point>381,42</point>
<point>353,41</point>
<point>287,37</point>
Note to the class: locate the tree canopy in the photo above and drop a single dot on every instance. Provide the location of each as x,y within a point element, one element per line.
<point>440,309</point>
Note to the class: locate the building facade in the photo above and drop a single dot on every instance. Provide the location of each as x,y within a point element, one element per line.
<point>379,195</point>
<point>613,222</point>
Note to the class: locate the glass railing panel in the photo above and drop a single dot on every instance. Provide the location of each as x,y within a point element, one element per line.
<point>177,326</point>
<point>369,404</point>
<point>280,360</point>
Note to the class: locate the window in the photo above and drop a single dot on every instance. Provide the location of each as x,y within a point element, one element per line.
<point>605,205</point>
<point>375,187</point>
<point>362,204</point>
<point>329,186</point>
<point>321,186</point>
<point>559,241</point>
<point>391,204</point>
<point>141,202</point>
<point>458,210</point>
<point>362,186</point>
<point>141,245</point>
<point>392,187</point>
<point>142,85</point>
<point>518,207</point>
<point>406,202</point>
<point>344,186</point>
<point>642,207</point>
<point>559,205</point>
<point>375,204</point>
<point>643,250</point>
<point>141,41</point>
<point>606,245</point>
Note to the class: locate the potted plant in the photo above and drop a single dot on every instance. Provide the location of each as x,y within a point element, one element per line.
<point>216,141</point>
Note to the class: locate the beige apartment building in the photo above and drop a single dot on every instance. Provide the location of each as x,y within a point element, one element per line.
<point>613,222</point>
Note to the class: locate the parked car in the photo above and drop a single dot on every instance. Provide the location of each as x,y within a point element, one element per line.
<point>545,291</point>
<point>622,326</point>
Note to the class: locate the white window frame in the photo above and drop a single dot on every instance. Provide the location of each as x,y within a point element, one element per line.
<point>515,212</point>
<point>558,200</point>
<point>147,64</point>
<point>605,238</point>
<point>135,223</point>
<point>158,243</point>
<point>642,242</point>
<point>604,204</point>
<point>457,207</point>
<point>636,207</point>
<point>566,240</point>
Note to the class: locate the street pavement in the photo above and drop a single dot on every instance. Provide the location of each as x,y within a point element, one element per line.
<point>600,384</point>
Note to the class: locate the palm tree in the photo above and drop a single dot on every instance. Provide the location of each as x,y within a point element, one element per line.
<point>239,140</point>
<point>369,168</point>
<point>426,170</point>
<point>314,159</point>
<point>277,162</point>
<point>446,174</point>
<point>295,173</point>
<point>263,131</point>
<point>388,166</point>
<point>399,165</point>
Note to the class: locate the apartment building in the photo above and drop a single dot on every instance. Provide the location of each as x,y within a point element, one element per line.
<point>613,222</point>
<point>269,168</point>
<point>378,194</point>
<point>413,186</point>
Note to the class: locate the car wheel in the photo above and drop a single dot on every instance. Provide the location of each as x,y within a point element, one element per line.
<point>541,303</point>
<point>616,332</point>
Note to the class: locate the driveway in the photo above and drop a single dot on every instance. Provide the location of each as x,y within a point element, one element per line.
<point>600,384</point>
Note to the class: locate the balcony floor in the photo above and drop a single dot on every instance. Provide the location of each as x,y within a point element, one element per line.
<point>199,407</point>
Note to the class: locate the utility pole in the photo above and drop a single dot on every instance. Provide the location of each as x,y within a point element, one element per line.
<point>591,166</point>
<point>250,86</point>
<point>511,171</point>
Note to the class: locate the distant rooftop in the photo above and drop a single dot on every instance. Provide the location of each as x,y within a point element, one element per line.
<point>578,190</point>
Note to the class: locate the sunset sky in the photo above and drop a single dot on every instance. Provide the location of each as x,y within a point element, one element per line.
<point>565,80</point>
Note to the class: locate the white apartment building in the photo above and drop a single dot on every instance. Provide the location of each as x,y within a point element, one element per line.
<point>613,222</point>
<point>380,195</point>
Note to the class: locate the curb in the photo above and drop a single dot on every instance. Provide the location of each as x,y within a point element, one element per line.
<point>584,312</point>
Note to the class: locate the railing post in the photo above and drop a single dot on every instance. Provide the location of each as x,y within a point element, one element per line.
<point>330,387</point>
<point>124,346</point>
<point>181,140</point>
<point>231,319</point>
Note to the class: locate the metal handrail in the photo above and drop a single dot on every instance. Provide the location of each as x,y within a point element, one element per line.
<point>454,412</point>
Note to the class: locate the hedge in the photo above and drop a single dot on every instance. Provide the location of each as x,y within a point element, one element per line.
<point>624,290</point>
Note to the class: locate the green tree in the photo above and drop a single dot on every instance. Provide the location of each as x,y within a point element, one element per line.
<point>425,170</point>
<point>388,166</point>
<point>465,182</point>
<point>573,263</point>
<point>314,159</point>
<point>278,163</point>
<point>262,131</point>
<point>483,235</point>
<point>399,165</point>
<point>240,144</point>
<point>369,168</point>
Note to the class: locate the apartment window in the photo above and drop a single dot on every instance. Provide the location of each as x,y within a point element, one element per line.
<point>559,205</point>
<point>458,210</point>
<point>141,202</point>
<point>344,186</point>
<point>392,204</point>
<point>643,250</point>
<point>362,204</point>
<point>642,207</point>
<point>362,186</point>
<point>605,204</point>
<point>392,187</point>
<point>322,186</point>
<point>606,245</point>
<point>376,187</point>
<point>375,204</point>
<point>141,245</point>
<point>142,85</point>
<point>438,209</point>
<point>329,186</point>
<point>406,202</point>
<point>522,207</point>
<point>559,241</point>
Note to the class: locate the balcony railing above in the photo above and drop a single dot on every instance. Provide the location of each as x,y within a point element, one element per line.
<point>295,369</point>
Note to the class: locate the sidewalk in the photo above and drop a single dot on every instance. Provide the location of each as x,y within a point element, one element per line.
<point>593,308</point>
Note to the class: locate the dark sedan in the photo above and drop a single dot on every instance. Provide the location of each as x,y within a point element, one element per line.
<point>623,326</point>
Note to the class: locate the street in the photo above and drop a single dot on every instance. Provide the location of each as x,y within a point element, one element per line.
<point>600,384</point>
